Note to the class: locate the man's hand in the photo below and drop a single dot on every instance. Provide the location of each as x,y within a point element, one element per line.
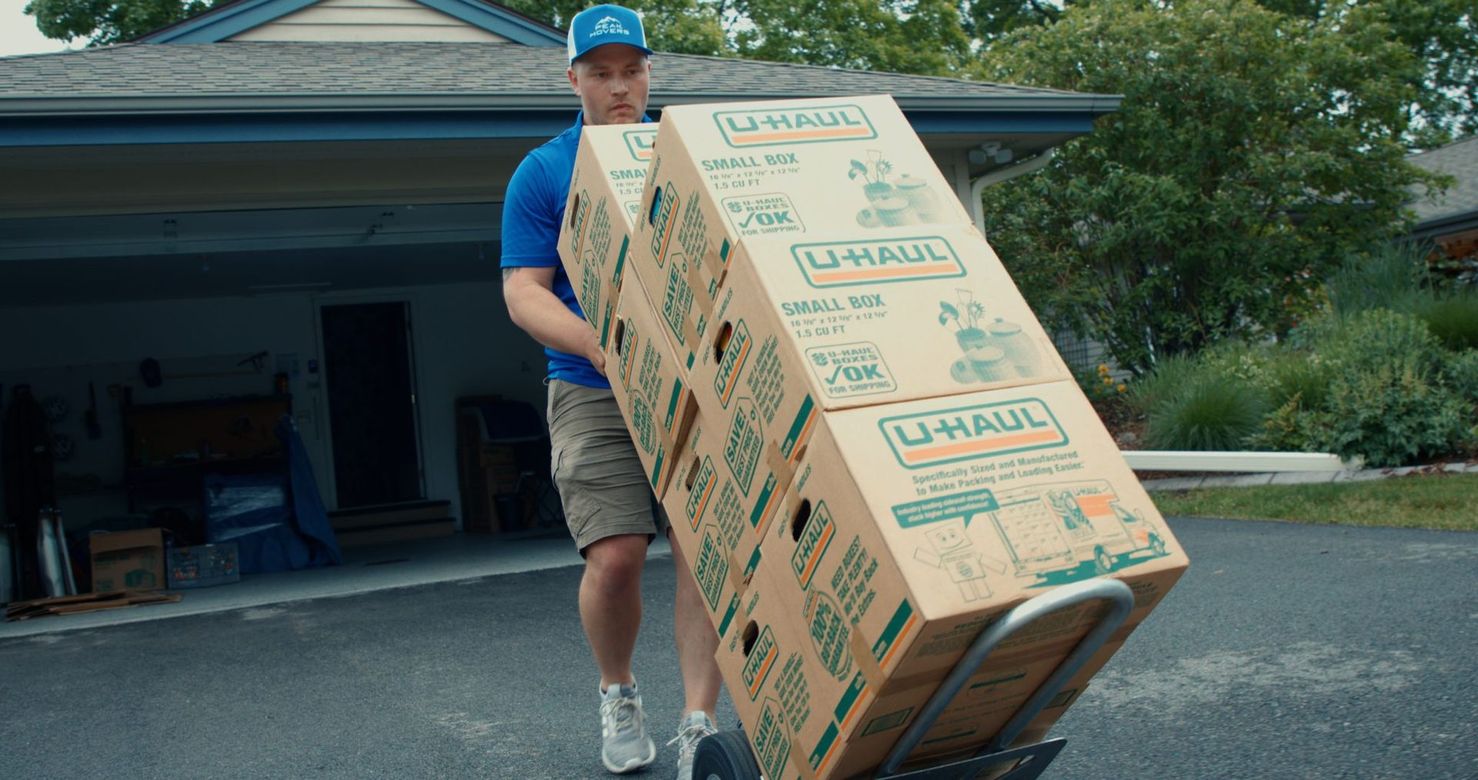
<point>533,306</point>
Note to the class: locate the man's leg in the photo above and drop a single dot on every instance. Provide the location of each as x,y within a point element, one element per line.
<point>610,603</point>
<point>607,505</point>
<point>696,643</point>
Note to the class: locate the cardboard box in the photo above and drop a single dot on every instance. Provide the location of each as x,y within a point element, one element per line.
<point>912,526</point>
<point>718,517</point>
<point>786,349</point>
<point>203,565</point>
<point>605,193</point>
<point>649,386</point>
<point>724,172</point>
<point>127,560</point>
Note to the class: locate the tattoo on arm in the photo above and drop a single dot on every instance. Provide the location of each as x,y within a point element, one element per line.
<point>508,273</point>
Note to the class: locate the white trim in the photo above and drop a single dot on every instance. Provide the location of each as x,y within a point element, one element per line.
<point>1250,462</point>
<point>999,175</point>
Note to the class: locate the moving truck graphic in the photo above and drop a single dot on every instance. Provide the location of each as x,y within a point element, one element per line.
<point>1072,531</point>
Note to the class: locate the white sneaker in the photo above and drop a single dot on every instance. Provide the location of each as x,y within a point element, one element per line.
<point>625,746</point>
<point>693,729</point>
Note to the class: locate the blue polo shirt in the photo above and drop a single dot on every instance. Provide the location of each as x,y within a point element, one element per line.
<point>533,209</point>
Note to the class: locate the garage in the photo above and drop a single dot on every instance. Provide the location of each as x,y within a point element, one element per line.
<point>285,210</point>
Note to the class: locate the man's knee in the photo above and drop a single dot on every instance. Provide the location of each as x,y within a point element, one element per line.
<point>617,561</point>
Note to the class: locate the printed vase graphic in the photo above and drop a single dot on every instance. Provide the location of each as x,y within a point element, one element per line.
<point>998,352</point>
<point>907,201</point>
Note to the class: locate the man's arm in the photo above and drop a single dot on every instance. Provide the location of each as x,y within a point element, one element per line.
<point>533,306</point>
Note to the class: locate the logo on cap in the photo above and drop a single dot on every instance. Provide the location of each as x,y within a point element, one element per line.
<point>610,25</point>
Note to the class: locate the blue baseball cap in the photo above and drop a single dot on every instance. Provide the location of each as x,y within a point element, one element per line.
<point>603,24</point>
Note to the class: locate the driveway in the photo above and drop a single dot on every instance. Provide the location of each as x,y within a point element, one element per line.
<point>1287,651</point>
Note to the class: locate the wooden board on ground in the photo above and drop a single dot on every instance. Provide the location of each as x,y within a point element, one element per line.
<point>85,602</point>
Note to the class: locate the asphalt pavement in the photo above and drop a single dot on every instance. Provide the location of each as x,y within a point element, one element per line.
<point>1287,651</point>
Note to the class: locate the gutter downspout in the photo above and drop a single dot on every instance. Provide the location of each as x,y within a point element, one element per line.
<point>977,186</point>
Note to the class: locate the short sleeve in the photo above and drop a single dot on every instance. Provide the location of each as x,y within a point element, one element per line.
<point>530,234</point>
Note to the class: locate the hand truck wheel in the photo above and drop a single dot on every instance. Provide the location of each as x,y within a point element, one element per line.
<point>725,756</point>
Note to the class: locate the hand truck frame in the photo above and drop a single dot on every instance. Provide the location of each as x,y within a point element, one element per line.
<point>727,756</point>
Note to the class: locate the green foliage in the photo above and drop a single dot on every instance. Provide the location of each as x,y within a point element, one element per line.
<point>1391,416</point>
<point>1379,386</point>
<point>104,22</point>
<point>1452,318</point>
<point>1253,152</point>
<point>990,19</point>
<point>1377,339</point>
<point>899,36</point>
<point>1208,413</point>
<point>1392,277</point>
<point>1439,33</point>
<point>1461,374</point>
<point>1375,384</point>
<point>677,26</point>
<point>1147,392</point>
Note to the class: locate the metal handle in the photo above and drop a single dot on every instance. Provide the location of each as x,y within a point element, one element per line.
<point>1121,601</point>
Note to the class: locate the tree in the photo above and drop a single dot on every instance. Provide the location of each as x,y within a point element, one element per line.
<point>990,19</point>
<point>677,26</point>
<point>104,22</point>
<point>900,36</point>
<point>1253,152</point>
<point>1441,34</point>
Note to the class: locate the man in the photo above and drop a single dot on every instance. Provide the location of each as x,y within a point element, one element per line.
<point>607,502</point>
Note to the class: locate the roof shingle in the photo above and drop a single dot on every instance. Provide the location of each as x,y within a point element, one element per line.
<point>274,69</point>
<point>1459,160</point>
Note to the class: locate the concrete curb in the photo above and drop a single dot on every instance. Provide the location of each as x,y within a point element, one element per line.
<point>1305,477</point>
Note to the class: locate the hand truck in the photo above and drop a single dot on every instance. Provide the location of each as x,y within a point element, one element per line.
<point>727,756</point>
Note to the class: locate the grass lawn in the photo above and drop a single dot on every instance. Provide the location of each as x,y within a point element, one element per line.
<point>1447,502</point>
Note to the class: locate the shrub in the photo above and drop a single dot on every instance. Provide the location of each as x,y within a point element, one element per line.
<point>1170,374</point>
<point>1207,413</point>
<point>1389,278</point>
<point>1296,376</point>
<point>1452,318</point>
<point>1461,374</point>
<point>1375,339</point>
<point>1391,416</point>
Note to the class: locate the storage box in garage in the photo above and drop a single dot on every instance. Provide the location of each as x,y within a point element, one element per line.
<point>605,192</point>
<point>649,386</point>
<point>127,560</point>
<point>908,529</point>
<point>202,565</point>
<point>777,168</point>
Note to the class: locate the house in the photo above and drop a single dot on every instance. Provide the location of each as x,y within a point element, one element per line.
<point>1450,221</point>
<point>301,199</point>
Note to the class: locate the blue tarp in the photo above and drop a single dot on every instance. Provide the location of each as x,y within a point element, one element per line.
<point>276,519</point>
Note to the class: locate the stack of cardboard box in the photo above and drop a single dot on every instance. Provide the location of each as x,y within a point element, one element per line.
<point>867,447</point>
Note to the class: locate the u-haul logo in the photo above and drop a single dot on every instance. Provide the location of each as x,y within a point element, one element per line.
<point>662,221</point>
<point>577,222</point>
<point>968,433</point>
<point>852,263</point>
<point>640,143</point>
<point>736,353</point>
<point>812,546</point>
<point>703,484</point>
<point>760,662</point>
<point>813,124</point>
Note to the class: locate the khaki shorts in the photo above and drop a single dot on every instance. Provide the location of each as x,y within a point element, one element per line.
<point>601,483</point>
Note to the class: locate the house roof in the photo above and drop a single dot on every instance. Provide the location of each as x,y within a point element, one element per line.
<point>250,91</point>
<point>1459,160</point>
<point>227,19</point>
<point>332,75</point>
